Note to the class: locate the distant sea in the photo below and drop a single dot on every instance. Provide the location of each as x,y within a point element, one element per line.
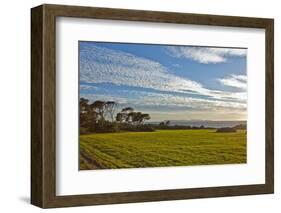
<point>205,123</point>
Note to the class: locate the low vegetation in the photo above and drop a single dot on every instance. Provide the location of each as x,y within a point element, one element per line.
<point>226,129</point>
<point>161,148</point>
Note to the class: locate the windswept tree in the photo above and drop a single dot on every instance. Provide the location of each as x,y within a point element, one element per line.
<point>164,123</point>
<point>127,110</point>
<point>83,104</point>
<point>88,117</point>
<point>128,114</point>
<point>137,117</point>
<point>133,117</point>
<point>100,117</point>
<point>84,109</point>
<point>100,108</point>
<point>110,107</point>
<point>119,117</point>
<point>123,116</point>
<point>144,117</point>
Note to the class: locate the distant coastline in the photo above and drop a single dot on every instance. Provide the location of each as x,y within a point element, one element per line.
<point>205,123</point>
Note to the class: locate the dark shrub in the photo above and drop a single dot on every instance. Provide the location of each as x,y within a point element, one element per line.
<point>106,126</point>
<point>146,128</point>
<point>136,128</point>
<point>84,130</point>
<point>240,126</point>
<point>226,129</point>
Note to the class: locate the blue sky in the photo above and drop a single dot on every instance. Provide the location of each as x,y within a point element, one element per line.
<point>169,82</point>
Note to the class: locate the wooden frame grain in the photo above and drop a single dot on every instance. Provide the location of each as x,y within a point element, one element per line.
<point>43,105</point>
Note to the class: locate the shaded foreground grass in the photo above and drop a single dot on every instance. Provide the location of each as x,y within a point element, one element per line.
<point>161,148</point>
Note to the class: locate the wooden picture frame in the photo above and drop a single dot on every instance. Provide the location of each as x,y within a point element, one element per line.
<point>43,105</point>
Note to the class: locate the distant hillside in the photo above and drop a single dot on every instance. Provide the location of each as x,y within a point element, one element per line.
<point>205,123</point>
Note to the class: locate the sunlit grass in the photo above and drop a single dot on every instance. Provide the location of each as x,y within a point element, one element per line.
<point>161,148</point>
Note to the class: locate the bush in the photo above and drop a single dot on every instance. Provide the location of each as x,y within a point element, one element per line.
<point>145,128</point>
<point>105,127</point>
<point>84,130</point>
<point>136,128</point>
<point>226,130</point>
<point>241,127</point>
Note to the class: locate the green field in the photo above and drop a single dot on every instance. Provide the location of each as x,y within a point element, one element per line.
<point>161,148</point>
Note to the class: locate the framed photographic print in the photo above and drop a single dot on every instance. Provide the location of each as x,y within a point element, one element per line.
<point>136,106</point>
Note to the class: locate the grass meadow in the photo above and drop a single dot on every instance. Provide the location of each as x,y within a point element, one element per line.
<point>161,148</point>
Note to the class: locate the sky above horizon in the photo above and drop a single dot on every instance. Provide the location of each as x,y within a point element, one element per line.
<point>166,81</point>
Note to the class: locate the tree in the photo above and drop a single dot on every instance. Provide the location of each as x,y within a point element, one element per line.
<point>83,105</point>
<point>100,108</point>
<point>162,123</point>
<point>88,117</point>
<point>133,117</point>
<point>137,117</point>
<point>123,116</point>
<point>110,107</point>
<point>127,110</point>
<point>144,117</point>
<point>99,117</point>
<point>120,117</point>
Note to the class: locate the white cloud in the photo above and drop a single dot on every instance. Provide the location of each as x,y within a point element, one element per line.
<point>132,98</point>
<point>237,81</point>
<point>183,107</point>
<point>87,87</point>
<point>102,65</point>
<point>195,103</point>
<point>104,97</point>
<point>240,77</point>
<point>205,55</point>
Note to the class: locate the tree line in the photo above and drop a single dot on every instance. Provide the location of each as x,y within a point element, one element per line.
<point>102,116</point>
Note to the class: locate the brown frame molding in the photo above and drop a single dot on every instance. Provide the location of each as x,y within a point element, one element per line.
<point>43,105</point>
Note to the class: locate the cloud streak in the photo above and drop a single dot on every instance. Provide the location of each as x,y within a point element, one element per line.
<point>170,107</point>
<point>237,81</point>
<point>103,65</point>
<point>152,99</point>
<point>84,87</point>
<point>205,55</point>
